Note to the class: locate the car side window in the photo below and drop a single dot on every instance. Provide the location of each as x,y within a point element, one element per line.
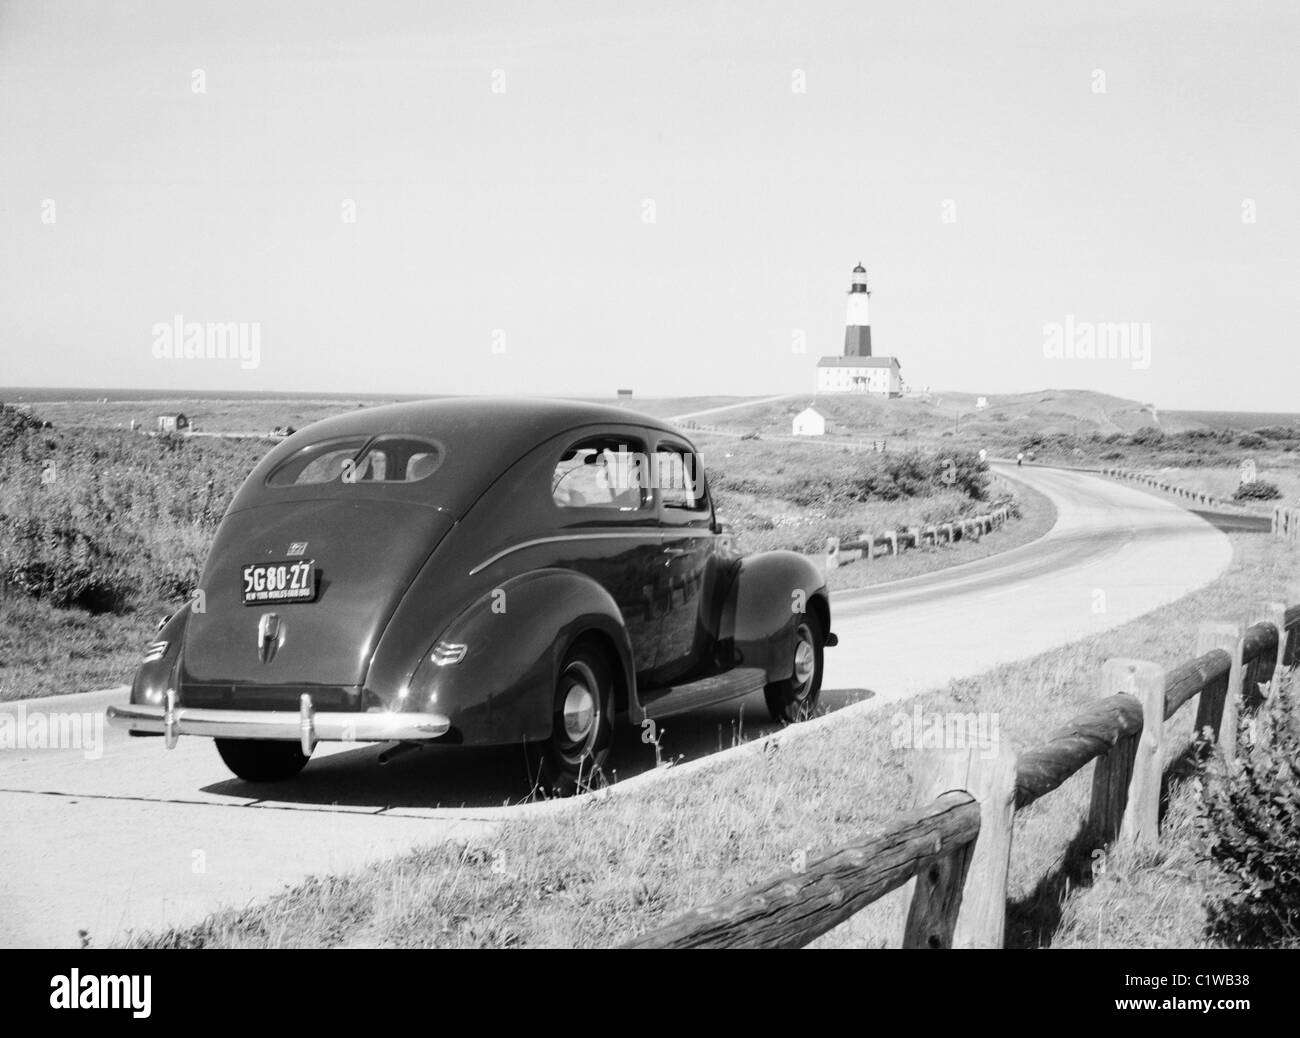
<point>606,473</point>
<point>680,479</point>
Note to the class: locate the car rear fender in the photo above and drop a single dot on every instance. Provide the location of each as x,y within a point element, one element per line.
<point>155,676</point>
<point>515,638</point>
<point>769,592</point>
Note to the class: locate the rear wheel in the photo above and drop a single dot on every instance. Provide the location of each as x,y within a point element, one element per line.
<point>262,760</point>
<point>582,726</point>
<point>795,698</point>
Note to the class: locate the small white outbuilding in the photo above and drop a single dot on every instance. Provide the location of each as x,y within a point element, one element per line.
<point>809,422</point>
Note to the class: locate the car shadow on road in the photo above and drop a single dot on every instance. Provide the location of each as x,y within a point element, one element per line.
<point>461,777</point>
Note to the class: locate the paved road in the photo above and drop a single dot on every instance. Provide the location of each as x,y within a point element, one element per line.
<point>736,406</point>
<point>131,836</point>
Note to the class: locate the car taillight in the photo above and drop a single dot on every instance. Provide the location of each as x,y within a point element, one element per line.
<point>444,654</point>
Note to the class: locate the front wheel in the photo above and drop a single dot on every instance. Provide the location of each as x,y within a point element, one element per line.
<point>582,726</point>
<point>262,760</point>
<point>795,698</point>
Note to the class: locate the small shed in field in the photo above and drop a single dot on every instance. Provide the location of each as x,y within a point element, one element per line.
<point>809,422</point>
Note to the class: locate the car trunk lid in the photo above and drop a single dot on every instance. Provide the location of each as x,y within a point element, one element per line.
<point>366,554</point>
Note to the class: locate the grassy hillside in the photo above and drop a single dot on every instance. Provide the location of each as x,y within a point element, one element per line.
<point>1070,427</point>
<point>941,416</point>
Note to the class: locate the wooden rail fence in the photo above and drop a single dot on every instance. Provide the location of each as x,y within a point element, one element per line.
<point>841,552</point>
<point>1286,523</point>
<point>1195,496</point>
<point>956,843</point>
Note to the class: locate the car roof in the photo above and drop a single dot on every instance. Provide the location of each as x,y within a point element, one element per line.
<point>497,429</point>
<point>481,436</point>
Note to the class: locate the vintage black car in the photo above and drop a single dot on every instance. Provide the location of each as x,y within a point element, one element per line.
<point>476,572</point>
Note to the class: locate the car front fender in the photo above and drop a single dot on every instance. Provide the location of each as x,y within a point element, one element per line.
<point>501,691</point>
<point>770,591</point>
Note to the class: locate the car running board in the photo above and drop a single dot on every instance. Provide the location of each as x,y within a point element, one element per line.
<point>659,703</point>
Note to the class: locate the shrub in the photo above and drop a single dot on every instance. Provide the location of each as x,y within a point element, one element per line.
<point>1259,490</point>
<point>120,520</point>
<point>817,478</point>
<point>14,423</point>
<point>1249,818</point>
<point>1278,432</point>
<point>1252,441</point>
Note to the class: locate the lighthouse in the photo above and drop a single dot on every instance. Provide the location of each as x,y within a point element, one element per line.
<point>857,324</point>
<point>857,370</point>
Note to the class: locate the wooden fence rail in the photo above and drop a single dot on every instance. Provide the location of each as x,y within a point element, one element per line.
<point>792,909</point>
<point>1198,496</point>
<point>957,843</point>
<point>842,551</point>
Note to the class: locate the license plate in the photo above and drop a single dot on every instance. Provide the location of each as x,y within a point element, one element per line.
<point>267,582</point>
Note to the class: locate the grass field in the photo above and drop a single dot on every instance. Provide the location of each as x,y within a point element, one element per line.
<point>211,415</point>
<point>621,865</point>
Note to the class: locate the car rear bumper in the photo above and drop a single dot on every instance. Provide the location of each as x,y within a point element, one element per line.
<point>304,726</point>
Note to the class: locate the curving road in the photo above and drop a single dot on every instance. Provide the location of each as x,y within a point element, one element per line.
<point>135,837</point>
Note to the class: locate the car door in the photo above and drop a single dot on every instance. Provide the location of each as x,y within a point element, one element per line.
<point>601,490</point>
<point>690,564</point>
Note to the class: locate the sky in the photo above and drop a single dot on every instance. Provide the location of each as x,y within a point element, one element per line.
<point>569,198</point>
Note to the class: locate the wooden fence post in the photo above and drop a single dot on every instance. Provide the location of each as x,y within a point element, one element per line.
<point>832,552</point>
<point>1275,613</point>
<point>1217,709</point>
<point>892,537</point>
<point>1113,771</point>
<point>1141,824</point>
<point>963,903</point>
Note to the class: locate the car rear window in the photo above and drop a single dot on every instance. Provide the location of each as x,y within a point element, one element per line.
<point>379,459</point>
